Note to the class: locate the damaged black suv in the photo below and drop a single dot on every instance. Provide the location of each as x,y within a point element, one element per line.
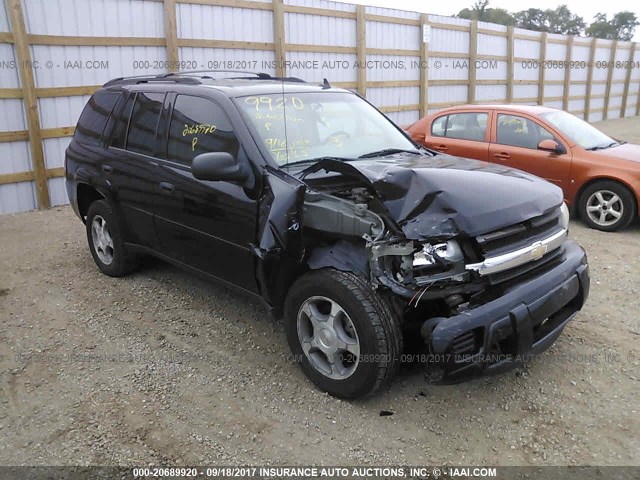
<point>308,198</point>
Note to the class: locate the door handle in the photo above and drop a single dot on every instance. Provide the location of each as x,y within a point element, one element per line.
<point>441,148</point>
<point>502,156</point>
<point>167,187</point>
<point>107,168</point>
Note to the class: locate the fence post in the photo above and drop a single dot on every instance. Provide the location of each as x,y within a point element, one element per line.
<point>279,38</point>
<point>607,91</point>
<point>361,49</point>
<point>23,55</point>
<point>171,34</point>
<point>510,64</point>
<point>638,101</point>
<point>587,97</point>
<point>627,80</point>
<point>541,68</point>
<point>473,55</point>
<point>424,64</point>
<point>567,74</point>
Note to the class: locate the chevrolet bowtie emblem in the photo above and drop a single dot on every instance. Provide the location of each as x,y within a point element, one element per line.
<point>538,251</point>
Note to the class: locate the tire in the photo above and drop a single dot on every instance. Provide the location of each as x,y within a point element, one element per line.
<point>365,317</point>
<point>597,210</point>
<point>106,243</point>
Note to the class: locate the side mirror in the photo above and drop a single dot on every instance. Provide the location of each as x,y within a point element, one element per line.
<point>552,146</point>
<point>217,166</point>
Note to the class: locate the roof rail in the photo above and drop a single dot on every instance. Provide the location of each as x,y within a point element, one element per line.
<point>257,75</point>
<point>151,78</point>
<point>192,72</point>
<point>195,77</point>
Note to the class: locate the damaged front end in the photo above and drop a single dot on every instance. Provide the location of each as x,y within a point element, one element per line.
<point>374,244</point>
<point>483,285</point>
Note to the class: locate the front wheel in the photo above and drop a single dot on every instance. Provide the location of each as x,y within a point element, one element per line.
<point>342,332</point>
<point>608,206</point>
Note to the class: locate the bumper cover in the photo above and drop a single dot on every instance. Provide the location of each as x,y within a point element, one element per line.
<point>512,329</point>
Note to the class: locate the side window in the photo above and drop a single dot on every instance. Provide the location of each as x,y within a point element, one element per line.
<point>144,123</point>
<point>94,117</point>
<point>467,126</point>
<point>121,122</point>
<point>198,126</point>
<point>438,126</point>
<point>520,132</point>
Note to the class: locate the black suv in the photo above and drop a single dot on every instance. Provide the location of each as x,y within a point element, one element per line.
<point>309,198</point>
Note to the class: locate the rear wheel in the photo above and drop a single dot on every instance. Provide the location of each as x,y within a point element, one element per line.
<point>106,243</point>
<point>342,333</point>
<point>608,206</point>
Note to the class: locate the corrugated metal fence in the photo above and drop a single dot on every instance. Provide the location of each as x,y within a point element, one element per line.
<point>54,54</point>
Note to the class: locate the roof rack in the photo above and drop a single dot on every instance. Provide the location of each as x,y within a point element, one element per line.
<point>256,75</point>
<point>193,77</point>
<point>151,78</point>
<point>259,75</point>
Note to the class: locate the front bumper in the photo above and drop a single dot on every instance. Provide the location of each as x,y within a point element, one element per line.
<point>512,329</point>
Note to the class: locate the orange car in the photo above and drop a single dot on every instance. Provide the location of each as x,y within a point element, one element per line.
<point>600,176</point>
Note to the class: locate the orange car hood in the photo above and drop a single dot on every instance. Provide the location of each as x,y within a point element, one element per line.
<point>626,151</point>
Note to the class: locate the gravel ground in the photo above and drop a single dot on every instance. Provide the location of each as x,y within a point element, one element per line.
<point>162,368</point>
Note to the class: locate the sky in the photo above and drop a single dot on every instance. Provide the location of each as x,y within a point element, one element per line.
<point>586,9</point>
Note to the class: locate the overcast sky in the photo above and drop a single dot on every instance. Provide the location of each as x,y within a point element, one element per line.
<point>585,9</point>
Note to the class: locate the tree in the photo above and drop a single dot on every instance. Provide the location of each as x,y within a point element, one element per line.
<point>531,19</point>
<point>563,21</point>
<point>621,27</point>
<point>481,12</point>
<point>560,20</point>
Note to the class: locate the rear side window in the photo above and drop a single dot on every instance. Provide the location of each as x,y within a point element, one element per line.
<point>121,122</point>
<point>198,126</point>
<point>144,123</point>
<point>94,117</point>
<point>462,126</point>
<point>438,127</point>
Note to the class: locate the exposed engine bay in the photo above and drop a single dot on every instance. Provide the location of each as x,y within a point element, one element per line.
<point>445,267</point>
<point>414,270</point>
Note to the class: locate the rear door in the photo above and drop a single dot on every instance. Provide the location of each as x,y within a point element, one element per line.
<point>463,134</point>
<point>514,143</point>
<point>130,164</point>
<point>207,225</point>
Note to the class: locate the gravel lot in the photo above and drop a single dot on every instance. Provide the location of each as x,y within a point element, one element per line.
<point>162,368</point>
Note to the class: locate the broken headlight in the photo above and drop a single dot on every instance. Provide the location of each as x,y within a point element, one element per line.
<point>440,261</point>
<point>438,254</point>
<point>564,216</point>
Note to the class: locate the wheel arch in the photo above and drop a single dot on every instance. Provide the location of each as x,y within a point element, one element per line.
<point>603,178</point>
<point>341,255</point>
<point>86,195</point>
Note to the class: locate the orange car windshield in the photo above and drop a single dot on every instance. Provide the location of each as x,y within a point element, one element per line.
<point>584,134</point>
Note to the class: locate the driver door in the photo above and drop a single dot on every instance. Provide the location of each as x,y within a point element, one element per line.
<point>206,225</point>
<point>514,143</point>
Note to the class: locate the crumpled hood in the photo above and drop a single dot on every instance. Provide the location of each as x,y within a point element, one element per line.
<point>443,196</point>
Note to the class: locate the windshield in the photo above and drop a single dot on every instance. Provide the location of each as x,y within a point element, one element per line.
<point>585,135</point>
<point>305,126</point>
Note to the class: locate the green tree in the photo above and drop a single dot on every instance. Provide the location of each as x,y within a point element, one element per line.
<point>621,27</point>
<point>563,21</point>
<point>481,12</point>
<point>531,19</point>
<point>560,20</point>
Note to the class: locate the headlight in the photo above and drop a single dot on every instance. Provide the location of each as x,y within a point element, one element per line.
<point>564,216</point>
<point>436,254</point>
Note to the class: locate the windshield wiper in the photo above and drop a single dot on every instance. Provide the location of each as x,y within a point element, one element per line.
<point>315,160</point>
<point>604,147</point>
<point>389,151</point>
